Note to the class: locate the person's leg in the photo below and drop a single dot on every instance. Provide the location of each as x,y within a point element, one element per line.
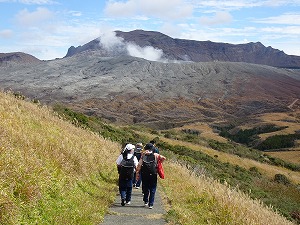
<point>145,189</point>
<point>152,190</point>
<point>128,190</point>
<point>122,190</point>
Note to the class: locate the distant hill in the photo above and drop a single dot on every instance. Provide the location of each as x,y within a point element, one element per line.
<point>17,57</point>
<point>197,51</point>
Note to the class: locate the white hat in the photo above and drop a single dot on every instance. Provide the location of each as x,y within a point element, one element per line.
<point>129,147</point>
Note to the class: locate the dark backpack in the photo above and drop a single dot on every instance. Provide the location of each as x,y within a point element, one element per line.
<point>127,168</point>
<point>149,166</point>
<point>138,152</point>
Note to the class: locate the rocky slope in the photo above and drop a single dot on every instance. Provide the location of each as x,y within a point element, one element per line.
<point>134,90</point>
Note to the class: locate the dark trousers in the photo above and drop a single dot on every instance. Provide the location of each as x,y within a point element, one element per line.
<point>125,189</point>
<point>149,185</point>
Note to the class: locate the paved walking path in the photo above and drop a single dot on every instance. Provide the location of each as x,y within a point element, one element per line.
<point>135,213</point>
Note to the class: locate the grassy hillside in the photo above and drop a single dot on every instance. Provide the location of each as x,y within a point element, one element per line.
<point>57,172</point>
<point>199,200</point>
<point>51,171</point>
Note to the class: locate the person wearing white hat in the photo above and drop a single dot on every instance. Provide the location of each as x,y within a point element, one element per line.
<point>126,163</point>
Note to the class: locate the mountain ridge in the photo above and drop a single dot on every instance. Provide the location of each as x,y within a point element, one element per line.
<point>196,51</point>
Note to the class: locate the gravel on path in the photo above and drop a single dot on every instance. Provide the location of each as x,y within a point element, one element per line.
<point>136,213</point>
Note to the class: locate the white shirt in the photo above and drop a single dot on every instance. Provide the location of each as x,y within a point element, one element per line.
<point>129,155</point>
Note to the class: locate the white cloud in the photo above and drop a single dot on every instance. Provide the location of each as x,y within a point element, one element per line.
<point>75,13</point>
<point>26,18</point>
<point>282,31</point>
<point>160,8</point>
<point>170,29</point>
<point>37,2</point>
<point>219,18</point>
<point>288,18</point>
<point>6,33</point>
<point>228,5</point>
<point>31,2</point>
<point>120,8</point>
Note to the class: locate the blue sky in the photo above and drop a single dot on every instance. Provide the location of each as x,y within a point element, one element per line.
<point>47,28</point>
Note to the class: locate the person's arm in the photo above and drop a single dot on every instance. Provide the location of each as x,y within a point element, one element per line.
<point>161,157</point>
<point>138,168</point>
<point>136,162</point>
<point>118,162</point>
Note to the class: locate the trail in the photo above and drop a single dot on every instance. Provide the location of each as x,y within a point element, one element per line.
<point>292,104</point>
<point>136,213</point>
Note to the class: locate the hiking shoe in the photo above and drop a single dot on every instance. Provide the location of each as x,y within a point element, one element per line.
<point>128,203</point>
<point>150,206</point>
<point>122,202</point>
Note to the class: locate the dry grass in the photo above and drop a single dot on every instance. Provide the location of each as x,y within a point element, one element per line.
<point>48,165</point>
<point>55,173</point>
<point>199,200</point>
<point>265,169</point>
<point>289,156</point>
<point>205,131</point>
<point>291,120</point>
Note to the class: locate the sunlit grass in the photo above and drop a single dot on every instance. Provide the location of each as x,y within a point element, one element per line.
<point>289,156</point>
<point>55,173</point>
<point>290,120</point>
<point>199,200</point>
<point>205,131</point>
<point>266,169</point>
<point>51,171</point>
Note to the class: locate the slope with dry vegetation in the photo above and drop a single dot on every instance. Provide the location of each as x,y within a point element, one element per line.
<point>200,200</point>
<point>53,172</point>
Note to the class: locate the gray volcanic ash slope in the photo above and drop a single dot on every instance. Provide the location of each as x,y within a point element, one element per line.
<point>147,91</point>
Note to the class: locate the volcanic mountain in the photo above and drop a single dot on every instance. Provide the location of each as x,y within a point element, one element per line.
<point>133,90</point>
<point>196,51</point>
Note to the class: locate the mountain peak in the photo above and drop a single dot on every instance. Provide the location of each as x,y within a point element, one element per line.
<point>198,51</point>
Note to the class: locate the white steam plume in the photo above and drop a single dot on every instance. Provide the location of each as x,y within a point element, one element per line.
<point>147,52</point>
<point>113,44</point>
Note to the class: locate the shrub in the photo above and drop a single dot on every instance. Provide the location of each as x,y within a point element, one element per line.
<point>280,178</point>
<point>296,215</point>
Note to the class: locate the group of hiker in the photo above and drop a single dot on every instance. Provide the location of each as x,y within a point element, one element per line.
<point>137,164</point>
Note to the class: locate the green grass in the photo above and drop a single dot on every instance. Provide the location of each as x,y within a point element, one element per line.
<point>51,171</point>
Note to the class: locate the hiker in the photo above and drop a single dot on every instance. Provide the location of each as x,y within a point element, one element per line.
<point>156,150</point>
<point>126,164</point>
<point>138,153</point>
<point>148,167</point>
